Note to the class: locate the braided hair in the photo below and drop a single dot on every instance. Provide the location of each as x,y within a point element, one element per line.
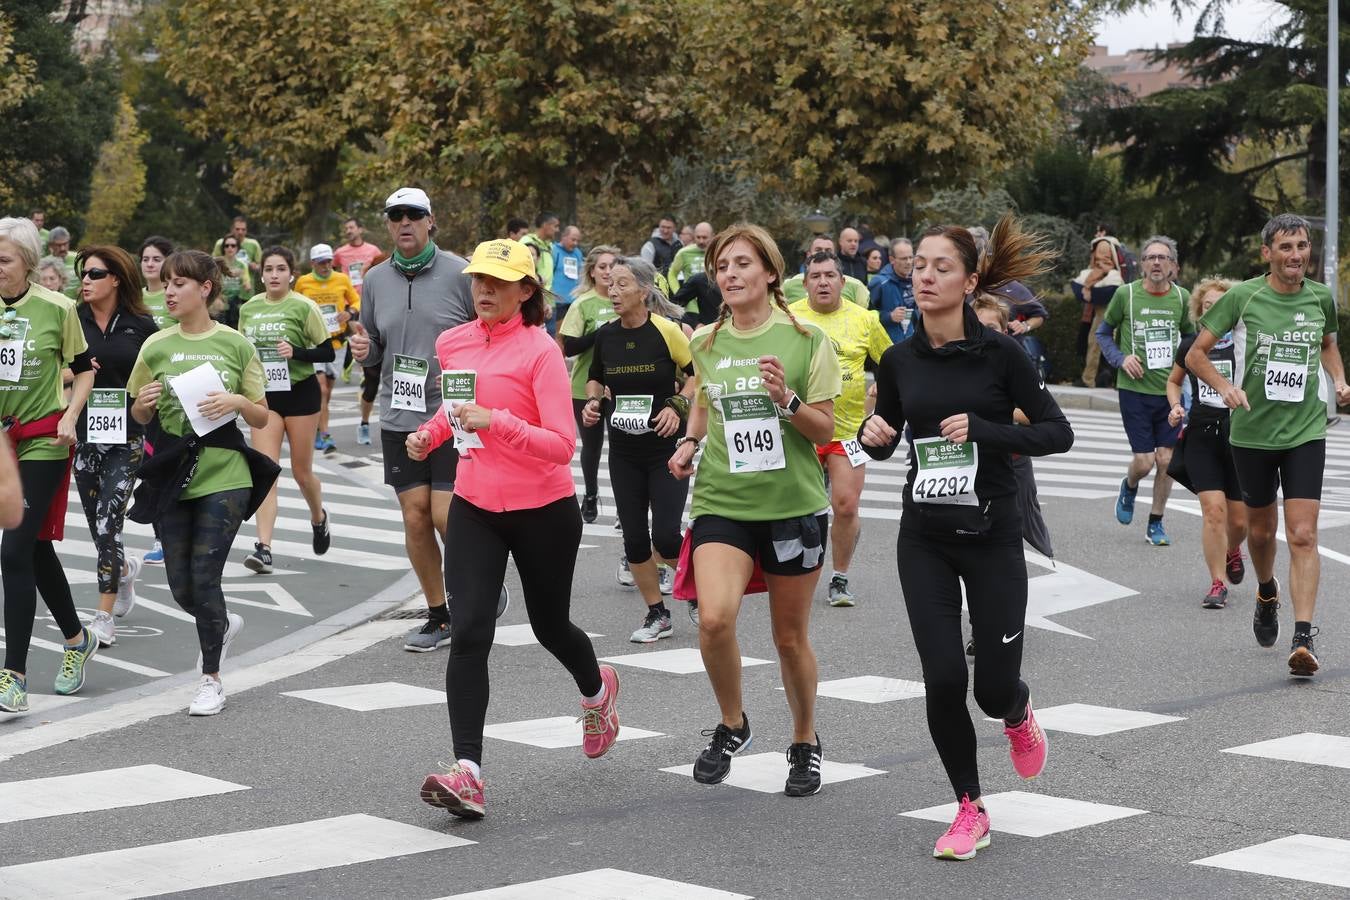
<point>769,256</point>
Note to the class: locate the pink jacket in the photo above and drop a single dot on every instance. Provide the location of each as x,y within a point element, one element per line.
<point>525,460</point>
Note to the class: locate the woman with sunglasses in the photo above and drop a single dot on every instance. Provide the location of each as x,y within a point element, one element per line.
<point>237,283</point>
<point>290,335</point>
<point>115,324</point>
<point>40,336</point>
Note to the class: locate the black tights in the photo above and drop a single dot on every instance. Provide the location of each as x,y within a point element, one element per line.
<point>995,574</point>
<point>642,483</point>
<point>198,535</point>
<point>544,543</point>
<point>592,442</point>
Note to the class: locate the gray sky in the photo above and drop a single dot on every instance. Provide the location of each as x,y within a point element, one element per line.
<point>1154,25</point>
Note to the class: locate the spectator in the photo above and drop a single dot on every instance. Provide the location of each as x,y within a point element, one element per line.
<point>875,261</point>
<point>1094,288</point>
<point>662,246</point>
<point>892,292</point>
<point>854,265</point>
<point>686,235</point>
<point>1025,314</point>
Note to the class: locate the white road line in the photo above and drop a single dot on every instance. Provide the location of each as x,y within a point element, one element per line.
<point>101,658</point>
<point>64,795</point>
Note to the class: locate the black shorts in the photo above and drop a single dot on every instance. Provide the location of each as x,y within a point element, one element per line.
<point>370,383</point>
<point>756,540</point>
<point>1209,459</point>
<point>303,399</point>
<point>437,471</point>
<point>1298,471</point>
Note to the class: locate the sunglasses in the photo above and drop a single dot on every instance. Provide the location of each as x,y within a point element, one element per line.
<point>95,274</point>
<point>411,213</point>
<point>7,320</point>
<point>230,246</point>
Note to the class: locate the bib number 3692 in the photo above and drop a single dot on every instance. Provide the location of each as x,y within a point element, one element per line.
<point>409,387</point>
<point>1286,373</point>
<point>945,471</point>
<point>753,433</point>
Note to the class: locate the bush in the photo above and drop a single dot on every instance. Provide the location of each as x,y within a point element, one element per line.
<point>1059,334</point>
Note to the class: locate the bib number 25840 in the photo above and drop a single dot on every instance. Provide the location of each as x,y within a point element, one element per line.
<point>753,433</point>
<point>409,388</point>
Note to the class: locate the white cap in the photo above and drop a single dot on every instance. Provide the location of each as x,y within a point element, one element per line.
<point>409,196</point>
<point>320,252</point>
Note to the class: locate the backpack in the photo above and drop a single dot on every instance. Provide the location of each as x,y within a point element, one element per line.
<point>1129,264</point>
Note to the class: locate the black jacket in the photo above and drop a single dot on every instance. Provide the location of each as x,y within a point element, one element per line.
<point>165,475</point>
<point>115,350</point>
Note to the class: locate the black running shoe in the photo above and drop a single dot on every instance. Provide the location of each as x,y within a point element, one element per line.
<point>1237,569</point>
<point>259,561</point>
<point>1266,621</point>
<point>803,769</point>
<point>1302,661</point>
<point>590,508</point>
<point>970,647</point>
<point>322,539</point>
<point>714,763</point>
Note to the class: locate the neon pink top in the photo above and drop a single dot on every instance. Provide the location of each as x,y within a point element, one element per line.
<point>525,460</point>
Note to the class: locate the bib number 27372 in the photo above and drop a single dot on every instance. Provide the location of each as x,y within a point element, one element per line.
<point>753,433</point>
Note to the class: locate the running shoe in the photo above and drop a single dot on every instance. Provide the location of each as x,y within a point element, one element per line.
<point>209,699</point>
<point>600,722</point>
<point>363,434</point>
<point>1156,535</point>
<point>431,636</point>
<point>156,555</point>
<point>259,561</point>
<point>839,593</point>
<point>693,612</point>
<point>1237,569</point>
<point>457,792</point>
<point>234,623</point>
<point>970,647</point>
<point>654,627</point>
<point>328,445</point>
<point>1266,621</point>
<point>126,588</point>
<point>1302,661</point>
<point>322,538</point>
<point>714,763</point>
<point>969,833</point>
<point>666,579</point>
<point>71,677</point>
<point>1027,745</point>
<point>1217,598</point>
<point>803,769</point>
<point>318,441</point>
<point>590,508</point>
<point>503,601</point>
<point>13,692</point>
<point>1125,502</point>
<point>625,574</point>
<point>104,629</point>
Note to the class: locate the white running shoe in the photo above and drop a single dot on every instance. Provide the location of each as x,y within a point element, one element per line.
<point>104,629</point>
<point>126,588</point>
<point>210,698</point>
<point>236,625</point>
<point>667,579</point>
<point>625,575</point>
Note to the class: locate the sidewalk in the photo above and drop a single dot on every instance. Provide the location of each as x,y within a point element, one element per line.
<point>1069,397</point>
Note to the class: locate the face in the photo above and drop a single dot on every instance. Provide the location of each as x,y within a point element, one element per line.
<point>409,228</point>
<point>239,229</point>
<point>902,260</point>
<point>58,248</point>
<point>351,231</point>
<point>820,245</point>
<point>13,270</point>
<point>39,219</point>
<point>602,271</point>
<point>1209,299</point>
<point>152,261</point>
<point>495,300</point>
<point>624,291</point>
<point>51,279</point>
<point>183,296</point>
<point>823,284</point>
<point>686,235</point>
<point>549,230</point>
<point>571,236</point>
<point>276,275</point>
<point>666,228</point>
<point>96,290</point>
<point>229,247</point>
<point>1288,256</point>
<point>1103,254</point>
<point>742,277</point>
<point>873,261</point>
<point>989,318</point>
<point>848,241</point>
<point>323,267</point>
<point>940,278</point>
<point>703,235</point>
<point>1158,263</point>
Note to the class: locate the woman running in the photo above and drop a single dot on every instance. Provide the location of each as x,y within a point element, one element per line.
<point>1206,454</point>
<point>576,336</point>
<point>504,390</point>
<point>766,388</point>
<point>639,358</point>
<point>200,516</point>
<point>115,323</point>
<point>290,335</point>
<point>39,336</point>
<point>238,282</point>
<point>961,521</point>
<point>154,250</point>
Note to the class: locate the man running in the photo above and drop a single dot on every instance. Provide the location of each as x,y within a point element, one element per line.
<point>568,258</point>
<point>1139,335</point>
<point>854,291</point>
<point>1284,326</point>
<point>688,259</point>
<point>354,258</point>
<point>333,292</point>
<point>545,230</point>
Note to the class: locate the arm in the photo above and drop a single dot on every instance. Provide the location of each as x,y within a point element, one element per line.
<point>1174,379</point>
<point>1197,360</point>
<point>1106,339</point>
<point>554,439</point>
<point>320,353</point>
<point>575,346</point>
<point>880,432</point>
<point>1331,361</point>
<point>79,394</point>
<point>681,463</point>
<point>648,252</point>
<point>1049,431</point>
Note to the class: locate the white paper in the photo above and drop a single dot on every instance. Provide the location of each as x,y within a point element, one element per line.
<point>191,388</point>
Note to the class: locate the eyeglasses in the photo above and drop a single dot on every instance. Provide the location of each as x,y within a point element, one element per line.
<point>1157,257</point>
<point>95,274</point>
<point>230,246</point>
<point>411,213</point>
<point>7,320</point>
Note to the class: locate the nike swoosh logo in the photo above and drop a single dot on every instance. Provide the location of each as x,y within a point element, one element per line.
<point>1009,640</point>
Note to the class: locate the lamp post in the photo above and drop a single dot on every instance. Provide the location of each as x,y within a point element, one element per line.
<point>819,223</point>
<point>1329,255</point>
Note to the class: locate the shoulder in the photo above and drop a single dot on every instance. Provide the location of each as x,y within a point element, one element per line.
<point>669,329</point>
<point>702,332</point>
<point>159,337</point>
<point>61,301</point>
<point>800,307</point>
<point>145,324</point>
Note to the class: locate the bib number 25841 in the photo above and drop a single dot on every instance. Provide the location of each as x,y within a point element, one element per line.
<point>753,433</point>
<point>945,471</point>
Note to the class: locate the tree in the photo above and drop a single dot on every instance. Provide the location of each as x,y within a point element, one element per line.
<point>118,183</point>
<point>16,69</point>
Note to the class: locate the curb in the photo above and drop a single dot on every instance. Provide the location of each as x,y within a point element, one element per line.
<point>1069,397</point>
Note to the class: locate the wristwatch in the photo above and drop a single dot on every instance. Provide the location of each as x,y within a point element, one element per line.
<point>789,409</point>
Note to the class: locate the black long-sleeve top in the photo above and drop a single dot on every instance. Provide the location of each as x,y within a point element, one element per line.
<point>986,375</point>
<point>116,350</point>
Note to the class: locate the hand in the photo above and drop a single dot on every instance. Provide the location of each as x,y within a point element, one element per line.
<point>898,315</point>
<point>681,463</point>
<point>285,350</point>
<point>65,431</point>
<point>775,380</point>
<point>1342,393</point>
<point>1176,414</point>
<point>148,398</point>
<point>472,417</point>
<point>590,414</point>
<point>359,342</point>
<point>93,361</point>
<point>1017,326</point>
<point>1133,367</point>
<point>666,422</point>
<point>877,433</point>
<point>419,445</point>
<point>219,403</point>
<point>1234,396</point>
<point>872,391</point>
<point>344,317</point>
<point>956,428</point>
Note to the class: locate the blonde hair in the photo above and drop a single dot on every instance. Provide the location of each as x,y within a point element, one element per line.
<point>988,302</point>
<point>24,235</point>
<point>587,283</point>
<point>1211,283</point>
<point>769,256</point>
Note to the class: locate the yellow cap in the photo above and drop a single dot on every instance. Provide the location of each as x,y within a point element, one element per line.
<point>504,259</point>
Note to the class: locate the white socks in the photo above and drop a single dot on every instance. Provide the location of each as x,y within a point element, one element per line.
<point>472,768</point>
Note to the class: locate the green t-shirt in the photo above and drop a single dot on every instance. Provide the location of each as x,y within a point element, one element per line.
<point>45,337</point>
<point>1149,327</point>
<point>587,313</point>
<point>72,288</point>
<point>728,374</point>
<point>544,267</point>
<point>294,319</point>
<point>854,291</point>
<point>169,353</point>
<point>154,301</point>
<point>688,261</point>
<point>1276,339</point>
<point>249,253</point>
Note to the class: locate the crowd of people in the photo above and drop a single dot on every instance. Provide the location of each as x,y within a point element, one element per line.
<point>698,356</point>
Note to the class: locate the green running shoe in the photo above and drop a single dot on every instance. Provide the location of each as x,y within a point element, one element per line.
<point>71,677</point>
<point>13,692</point>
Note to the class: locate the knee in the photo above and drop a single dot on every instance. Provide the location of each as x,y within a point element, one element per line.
<point>1214,512</point>
<point>845,505</point>
<point>996,700</point>
<point>416,519</point>
<point>1302,536</point>
<point>1261,529</point>
<point>636,547</point>
<point>668,545</point>
<point>715,625</point>
<point>1163,456</point>
<point>791,642</point>
<point>1144,461</point>
<point>946,680</point>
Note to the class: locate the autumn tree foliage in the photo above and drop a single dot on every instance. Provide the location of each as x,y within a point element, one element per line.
<point>118,184</point>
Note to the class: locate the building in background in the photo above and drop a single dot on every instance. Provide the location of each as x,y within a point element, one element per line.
<point>95,20</point>
<point>1134,71</point>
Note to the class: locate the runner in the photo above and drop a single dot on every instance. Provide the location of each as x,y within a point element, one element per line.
<point>859,341</point>
<point>238,282</point>
<point>110,445</point>
<point>507,389</point>
<point>200,493</point>
<point>1283,325</point>
<point>1139,335</point>
<point>591,309</point>
<point>638,358</point>
<point>154,250</point>
<point>961,521</point>
<point>39,336</point>
<point>337,300</point>
<point>52,273</point>
<point>853,290</point>
<point>766,388</point>
<point>688,259</point>
<point>250,251</point>
<point>352,259</point>
<point>568,260</point>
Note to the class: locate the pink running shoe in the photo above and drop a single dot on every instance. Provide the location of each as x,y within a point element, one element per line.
<point>600,723</point>
<point>457,792</point>
<point>1027,746</point>
<point>970,832</point>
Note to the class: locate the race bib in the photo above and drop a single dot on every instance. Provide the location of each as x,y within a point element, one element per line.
<point>354,271</point>
<point>460,386</point>
<point>946,471</point>
<point>1206,394</point>
<point>276,371</point>
<point>105,416</point>
<point>570,267</point>
<point>1158,348</point>
<point>855,453</point>
<point>330,318</point>
<point>410,383</point>
<point>11,350</point>
<point>631,414</point>
<point>1286,372</point>
<point>753,433</point>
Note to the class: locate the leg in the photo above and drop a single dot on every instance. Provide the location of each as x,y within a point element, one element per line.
<point>1237,524</point>
<point>177,526</point>
<point>325,391</point>
<point>215,522</point>
<point>592,442</point>
<point>88,470</point>
<point>629,480</point>
<point>300,431</point>
<point>1262,523</point>
<point>1305,565</point>
<point>419,536</point>
<point>1140,465</point>
<point>1214,537</point>
<point>790,614</point>
<point>1162,482</point>
<point>995,576</point>
<point>846,485</point>
<point>267,440</point>
<point>721,572</point>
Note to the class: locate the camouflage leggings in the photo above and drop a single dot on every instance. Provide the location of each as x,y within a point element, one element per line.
<point>104,474</point>
<point>197,536</point>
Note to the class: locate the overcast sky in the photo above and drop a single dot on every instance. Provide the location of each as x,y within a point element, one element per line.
<point>1154,26</point>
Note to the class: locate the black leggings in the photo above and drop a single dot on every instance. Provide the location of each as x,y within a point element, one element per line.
<point>641,482</point>
<point>197,536</point>
<point>104,474</point>
<point>543,542</point>
<point>995,575</point>
<point>592,442</point>
<point>28,565</point>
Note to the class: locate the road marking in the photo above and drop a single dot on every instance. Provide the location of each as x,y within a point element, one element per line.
<point>1065,589</point>
<point>65,795</point>
<point>555,732</point>
<point>870,689</point>
<point>1034,815</point>
<point>370,697</point>
<point>611,884</point>
<point>683,661</point>
<point>1302,857</point>
<point>101,658</point>
<point>766,772</point>
<point>1095,721</point>
<point>1310,748</point>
